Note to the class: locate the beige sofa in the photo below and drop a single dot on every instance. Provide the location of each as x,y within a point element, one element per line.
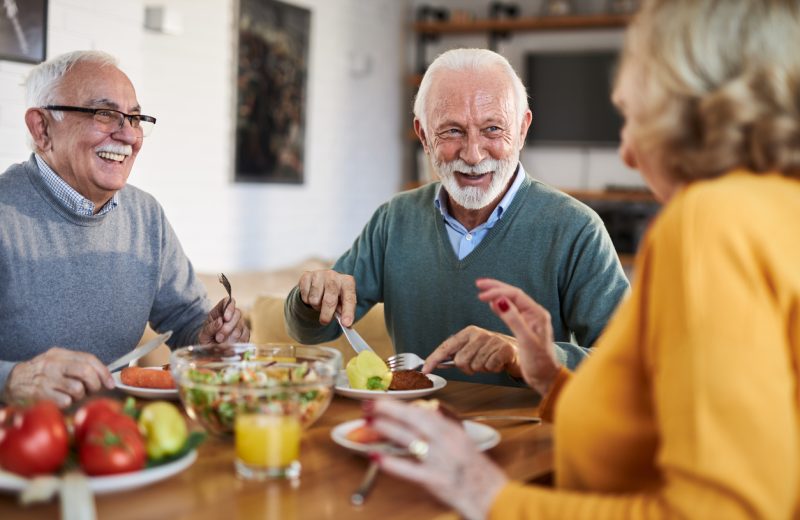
<point>261,294</point>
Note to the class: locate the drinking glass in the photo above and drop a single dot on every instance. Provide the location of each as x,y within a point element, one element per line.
<point>267,433</point>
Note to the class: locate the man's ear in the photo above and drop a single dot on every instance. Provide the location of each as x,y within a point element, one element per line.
<point>421,134</point>
<point>524,126</point>
<point>39,128</point>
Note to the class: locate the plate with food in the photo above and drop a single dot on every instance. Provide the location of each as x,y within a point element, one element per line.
<point>367,377</point>
<point>146,382</point>
<point>343,388</point>
<point>356,436</point>
<point>11,482</point>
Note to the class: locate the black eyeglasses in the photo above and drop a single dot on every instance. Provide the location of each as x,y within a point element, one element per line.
<point>112,120</point>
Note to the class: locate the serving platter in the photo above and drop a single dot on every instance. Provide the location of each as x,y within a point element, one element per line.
<point>10,482</point>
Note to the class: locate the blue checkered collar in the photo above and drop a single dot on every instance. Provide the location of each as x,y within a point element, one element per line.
<point>67,195</point>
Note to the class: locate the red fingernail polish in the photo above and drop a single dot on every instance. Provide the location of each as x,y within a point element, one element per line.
<point>374,456</point>
<point>369,419</point>
<point>502,305</point>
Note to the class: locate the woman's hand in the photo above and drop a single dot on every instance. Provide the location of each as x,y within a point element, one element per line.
<point>531,325</point>
<point>453,470</point>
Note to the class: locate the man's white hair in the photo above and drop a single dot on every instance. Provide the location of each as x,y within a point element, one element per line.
<point>41,85</point>
<point>463,60</point>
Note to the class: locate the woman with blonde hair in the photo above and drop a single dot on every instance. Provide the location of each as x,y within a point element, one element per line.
<point>689,406</point>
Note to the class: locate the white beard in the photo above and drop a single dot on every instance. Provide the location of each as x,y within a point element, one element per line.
<point>474,197</point>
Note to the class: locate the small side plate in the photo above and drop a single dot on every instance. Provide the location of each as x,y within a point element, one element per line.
<point>145,393</point>
<point>485,438</point>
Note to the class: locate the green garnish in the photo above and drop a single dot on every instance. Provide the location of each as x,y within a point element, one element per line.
<point>375,383</point>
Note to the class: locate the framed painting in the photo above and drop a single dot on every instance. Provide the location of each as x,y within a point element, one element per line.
<point>23,30</point>
<point>271,80</point>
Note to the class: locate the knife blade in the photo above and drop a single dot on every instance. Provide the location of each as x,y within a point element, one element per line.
<point>139,351</point>
<point>353,337</point>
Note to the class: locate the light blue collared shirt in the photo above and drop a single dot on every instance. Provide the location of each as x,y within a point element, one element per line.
<point>73,200</point>
<point>463,240</point>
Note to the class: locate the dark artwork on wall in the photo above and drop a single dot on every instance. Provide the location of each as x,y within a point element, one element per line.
<point>23,30</point>
<point>271,90</point>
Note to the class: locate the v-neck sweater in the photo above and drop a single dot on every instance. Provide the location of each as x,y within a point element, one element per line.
<point>550,245</point>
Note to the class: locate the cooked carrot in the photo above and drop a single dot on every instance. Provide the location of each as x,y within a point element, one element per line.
<point>364,435</point>
<point>147,378</point>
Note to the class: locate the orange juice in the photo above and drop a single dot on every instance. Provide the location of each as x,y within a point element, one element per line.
<point>267,441</point>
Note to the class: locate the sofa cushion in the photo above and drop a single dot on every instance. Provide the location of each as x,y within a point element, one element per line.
<point>268,326</point>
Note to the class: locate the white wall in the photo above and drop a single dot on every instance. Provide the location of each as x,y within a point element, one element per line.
<point>565,167</point>
<point>353,128</point>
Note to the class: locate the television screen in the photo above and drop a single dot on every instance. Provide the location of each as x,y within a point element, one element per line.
<point>569,94</point>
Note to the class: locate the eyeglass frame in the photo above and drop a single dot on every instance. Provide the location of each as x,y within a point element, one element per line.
<point>130,117</point>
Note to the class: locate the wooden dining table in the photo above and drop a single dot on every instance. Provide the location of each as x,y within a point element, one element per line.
<point>209,489</point>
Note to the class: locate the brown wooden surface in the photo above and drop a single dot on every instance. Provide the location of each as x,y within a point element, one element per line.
<point>209,489</point>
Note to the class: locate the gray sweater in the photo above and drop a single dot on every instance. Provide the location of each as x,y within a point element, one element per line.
<point>88,283</point>
<point>552,246</point>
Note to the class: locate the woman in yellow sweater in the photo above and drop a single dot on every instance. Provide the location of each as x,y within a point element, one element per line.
<point>689,406</point>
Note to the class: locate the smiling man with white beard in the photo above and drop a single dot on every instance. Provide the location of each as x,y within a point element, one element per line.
<point>422,251</point>
<point>86,260</point>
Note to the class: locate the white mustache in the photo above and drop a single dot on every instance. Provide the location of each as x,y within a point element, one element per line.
<point>460,166</point>
<point>122,149</point>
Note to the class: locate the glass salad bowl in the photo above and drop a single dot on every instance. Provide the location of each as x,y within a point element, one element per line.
<point>217,381</point>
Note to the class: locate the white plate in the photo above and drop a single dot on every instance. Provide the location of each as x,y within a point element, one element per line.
<point>343,388</point>
<point>145,393</point>
<point>114,483</point>
<point>485,437</point>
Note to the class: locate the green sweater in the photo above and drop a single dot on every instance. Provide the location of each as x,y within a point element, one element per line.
<point>550,245</point>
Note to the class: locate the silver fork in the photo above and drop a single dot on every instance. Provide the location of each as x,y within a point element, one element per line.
<point>411,361</point>
<point>227,285</point>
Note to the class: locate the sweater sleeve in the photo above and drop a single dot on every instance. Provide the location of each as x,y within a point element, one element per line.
<point>721,382</point>
<point>592,286</point>
<point>364,261</point>
<point>547,406</point>
<point>180,303</point>
<point>5,370</point>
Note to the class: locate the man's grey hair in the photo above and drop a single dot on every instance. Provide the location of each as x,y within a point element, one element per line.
<point>41,85</point>
<point>463,60</point>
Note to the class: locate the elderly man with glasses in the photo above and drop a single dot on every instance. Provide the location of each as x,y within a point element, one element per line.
<point>86,260</point>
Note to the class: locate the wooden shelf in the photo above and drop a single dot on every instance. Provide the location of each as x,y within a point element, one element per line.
<point>538,23</point>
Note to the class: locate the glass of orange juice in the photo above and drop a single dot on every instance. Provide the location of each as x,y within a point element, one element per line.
<point>267,435</point>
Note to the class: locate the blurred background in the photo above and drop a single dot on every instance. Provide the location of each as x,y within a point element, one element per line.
<point>360,72</point>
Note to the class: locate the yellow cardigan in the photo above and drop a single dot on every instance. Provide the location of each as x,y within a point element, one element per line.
<point>689,406</point>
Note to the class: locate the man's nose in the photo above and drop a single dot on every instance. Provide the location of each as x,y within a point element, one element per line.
<point>472,153</point>
<point>126,132</point>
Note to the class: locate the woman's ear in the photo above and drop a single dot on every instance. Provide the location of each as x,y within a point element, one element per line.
<point>39,128</point>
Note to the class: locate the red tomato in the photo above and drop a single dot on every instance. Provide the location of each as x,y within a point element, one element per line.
<point>33,440</point>
<point>112,446</point>
<point>91,412</point>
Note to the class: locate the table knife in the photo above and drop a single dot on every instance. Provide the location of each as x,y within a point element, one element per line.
<point>353,337</point>
<point>139,351</point>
